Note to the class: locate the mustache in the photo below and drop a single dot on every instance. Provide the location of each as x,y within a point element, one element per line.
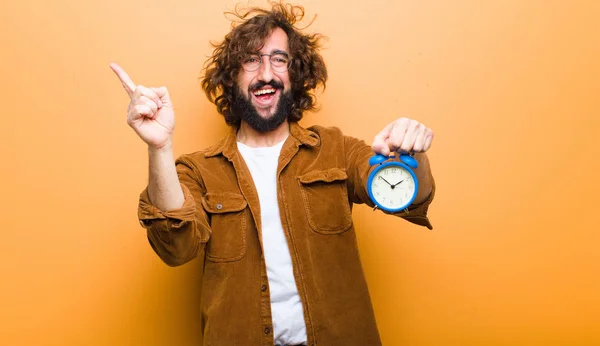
<point>273,83</point>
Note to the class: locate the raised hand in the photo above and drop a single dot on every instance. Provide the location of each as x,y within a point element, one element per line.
<point>403,135</point>
<point>150,112</point>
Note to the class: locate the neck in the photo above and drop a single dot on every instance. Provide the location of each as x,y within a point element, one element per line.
<point>252,138</point>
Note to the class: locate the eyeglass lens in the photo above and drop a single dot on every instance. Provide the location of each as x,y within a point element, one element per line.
<point>279,61</point>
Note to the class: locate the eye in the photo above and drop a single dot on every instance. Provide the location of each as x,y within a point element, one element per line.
<point>280,59</point>
<point>251,58</point>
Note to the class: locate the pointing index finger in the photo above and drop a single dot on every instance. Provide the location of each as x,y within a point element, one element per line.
<point>128,84</point>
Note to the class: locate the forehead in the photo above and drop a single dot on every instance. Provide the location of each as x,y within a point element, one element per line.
<point>277,40</point>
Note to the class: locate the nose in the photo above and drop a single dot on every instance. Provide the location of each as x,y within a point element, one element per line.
<point>265,71</point>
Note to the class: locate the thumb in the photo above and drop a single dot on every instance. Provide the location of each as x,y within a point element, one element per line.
<point>380,146</point>
<point>380,142</point>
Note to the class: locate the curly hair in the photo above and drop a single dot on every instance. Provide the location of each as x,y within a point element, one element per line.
<point>254,25</point>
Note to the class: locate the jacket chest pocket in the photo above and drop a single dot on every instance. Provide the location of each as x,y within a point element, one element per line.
<point>228,221</point>
<point>325,200</point>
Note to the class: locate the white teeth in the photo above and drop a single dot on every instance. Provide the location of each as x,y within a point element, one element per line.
<point>265,91</point>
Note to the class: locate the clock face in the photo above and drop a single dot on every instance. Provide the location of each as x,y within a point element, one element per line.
<point>393,187</point>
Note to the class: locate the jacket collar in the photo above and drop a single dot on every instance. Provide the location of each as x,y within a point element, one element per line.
<point>228,145</point>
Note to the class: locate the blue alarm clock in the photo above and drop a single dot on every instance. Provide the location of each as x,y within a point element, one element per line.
<point>392,184</point>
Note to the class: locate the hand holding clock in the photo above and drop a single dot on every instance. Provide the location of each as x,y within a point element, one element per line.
<point>403,135</point>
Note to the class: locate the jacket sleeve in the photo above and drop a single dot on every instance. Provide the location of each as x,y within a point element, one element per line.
<point>357,154</point>
<point>178,236</point>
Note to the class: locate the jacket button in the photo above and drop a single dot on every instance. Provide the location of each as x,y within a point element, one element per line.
<point>267,330</point>
<point>219,206</point>
<point>263,288</point>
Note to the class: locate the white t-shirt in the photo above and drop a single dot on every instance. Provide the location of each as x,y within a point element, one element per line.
<point>286,307</point>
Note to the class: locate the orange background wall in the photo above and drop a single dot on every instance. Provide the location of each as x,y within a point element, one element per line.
<point>510,88</point>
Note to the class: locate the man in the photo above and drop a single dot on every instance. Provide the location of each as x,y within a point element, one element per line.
<point>268,209</point>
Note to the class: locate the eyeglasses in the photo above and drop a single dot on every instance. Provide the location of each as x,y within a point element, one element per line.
<point>280,61</point>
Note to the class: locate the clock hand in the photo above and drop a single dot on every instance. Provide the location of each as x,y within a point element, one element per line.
<point>382,178</point>
<point>398,183</point>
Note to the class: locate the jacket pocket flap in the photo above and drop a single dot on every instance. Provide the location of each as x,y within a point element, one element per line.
<point>327,176</point>
<point>223,202</point>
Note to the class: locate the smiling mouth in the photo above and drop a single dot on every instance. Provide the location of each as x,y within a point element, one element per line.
<point>265,96</point>
<point>258,93</point>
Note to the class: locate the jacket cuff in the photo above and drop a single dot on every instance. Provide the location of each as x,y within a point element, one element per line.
<point>148,212</point>
<point>417,213</point>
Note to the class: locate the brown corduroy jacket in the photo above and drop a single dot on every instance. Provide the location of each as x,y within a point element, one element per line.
<point>321,174</point>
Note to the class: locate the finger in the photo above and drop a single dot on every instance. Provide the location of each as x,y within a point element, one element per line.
<point>419,142</point>
<point>410,137</point>
<point>147,102</point>
<point>163,95</point>
<point>142,91</point>
<point>160,94</point>
<point>380,142</point>
<point>398,134</point>
<point>128,84</point>
<point>140,111</point>
<point>428,141</point>
<point>408,143</point>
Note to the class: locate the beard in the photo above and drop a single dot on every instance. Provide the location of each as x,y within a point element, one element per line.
<point>243,108</point>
